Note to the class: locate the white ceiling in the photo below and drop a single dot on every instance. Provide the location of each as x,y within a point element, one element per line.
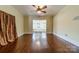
<point>30,10</point>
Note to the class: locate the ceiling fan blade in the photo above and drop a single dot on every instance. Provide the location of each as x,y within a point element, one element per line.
<point>35,6</point>
<point>44,7</point>
<point>43,11</point>
<point>38,6</point>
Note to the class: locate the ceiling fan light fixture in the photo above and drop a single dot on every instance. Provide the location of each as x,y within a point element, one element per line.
<point>39,12</point>
<point>41,6</point>
<point>40,9</point>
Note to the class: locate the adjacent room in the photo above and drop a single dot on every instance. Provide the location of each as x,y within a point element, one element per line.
<point>39,28</point>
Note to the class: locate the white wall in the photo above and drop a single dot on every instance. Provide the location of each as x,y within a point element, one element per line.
<point>65,26</point>
<point>19,18</point>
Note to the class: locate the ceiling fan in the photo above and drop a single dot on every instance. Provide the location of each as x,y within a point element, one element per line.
<point>40,8</point>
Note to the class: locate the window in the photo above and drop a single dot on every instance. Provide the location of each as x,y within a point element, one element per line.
<point>39,25</point>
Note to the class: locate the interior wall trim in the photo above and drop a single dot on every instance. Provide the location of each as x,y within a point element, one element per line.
<point>32,32</point>
<point>28,33</point>
<point>20,34</point>
<point>68,39</point>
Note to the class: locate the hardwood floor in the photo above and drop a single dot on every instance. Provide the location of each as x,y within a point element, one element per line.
<point>39,43</point>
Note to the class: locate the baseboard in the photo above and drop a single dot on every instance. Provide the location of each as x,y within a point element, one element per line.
<point>28,33</point>
<point>31,33</point>
<point>20,34</point>
<point>49,32</point>
<point>68,39</point>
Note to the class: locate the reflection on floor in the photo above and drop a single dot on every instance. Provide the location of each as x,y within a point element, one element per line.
<point>39,42</point>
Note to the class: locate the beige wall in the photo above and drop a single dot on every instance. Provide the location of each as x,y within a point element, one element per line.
<point>18,16</point>
<point>65,25</point>
<point>28,23</point>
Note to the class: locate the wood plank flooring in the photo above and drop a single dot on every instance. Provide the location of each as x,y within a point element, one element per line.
<point>39,43</point>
